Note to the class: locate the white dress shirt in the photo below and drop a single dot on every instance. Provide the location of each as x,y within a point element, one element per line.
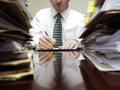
<point>72,24</point>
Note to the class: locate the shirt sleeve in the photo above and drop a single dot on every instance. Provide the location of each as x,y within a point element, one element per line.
<point>35,31</point>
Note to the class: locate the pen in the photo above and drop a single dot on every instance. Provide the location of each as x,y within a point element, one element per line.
<point>48,35</point>
<point>57,50</point>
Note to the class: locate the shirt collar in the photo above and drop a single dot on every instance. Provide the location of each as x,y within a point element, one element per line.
<point>64,14</point>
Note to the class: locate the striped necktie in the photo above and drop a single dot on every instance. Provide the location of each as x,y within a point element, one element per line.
<point>57,34</point>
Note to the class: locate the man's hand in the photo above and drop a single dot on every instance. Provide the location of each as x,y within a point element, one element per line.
<point>70,44</point>
<point>46,42</point>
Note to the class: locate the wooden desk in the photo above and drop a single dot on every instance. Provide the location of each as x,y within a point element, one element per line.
<point>22,84</point>
<point>98,80</point>
<point>42,79</point>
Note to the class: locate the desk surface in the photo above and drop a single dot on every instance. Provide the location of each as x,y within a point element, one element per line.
<point>43,74</point>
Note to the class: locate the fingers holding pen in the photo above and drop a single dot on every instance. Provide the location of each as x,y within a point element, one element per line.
<point>46,42</point>
<point>51,40</point>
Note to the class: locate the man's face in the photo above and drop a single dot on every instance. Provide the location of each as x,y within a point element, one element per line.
<point>60,5</point>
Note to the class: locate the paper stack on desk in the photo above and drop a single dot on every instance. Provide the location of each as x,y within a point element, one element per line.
<point>14,26</point>
<point>106,52</point>
<point>102,41</point>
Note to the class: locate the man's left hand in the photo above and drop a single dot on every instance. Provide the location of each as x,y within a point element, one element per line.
<point>70,44</point>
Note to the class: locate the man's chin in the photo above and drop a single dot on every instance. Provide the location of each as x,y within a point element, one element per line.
<point>59,10</point>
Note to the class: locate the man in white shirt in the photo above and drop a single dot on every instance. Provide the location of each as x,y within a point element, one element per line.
<point>72,24</point>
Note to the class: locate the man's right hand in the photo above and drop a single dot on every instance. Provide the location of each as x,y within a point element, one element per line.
<point>46,42</point>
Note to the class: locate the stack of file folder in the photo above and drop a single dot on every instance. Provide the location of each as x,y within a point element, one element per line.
<point>101,42</point>
<point>14,36</point>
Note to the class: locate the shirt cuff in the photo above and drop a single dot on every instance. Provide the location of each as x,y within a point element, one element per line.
<point>79,40</point>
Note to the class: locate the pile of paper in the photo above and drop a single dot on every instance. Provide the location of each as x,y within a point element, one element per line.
<point>14,26</point>
<point>105,49</point>
<point>102,40</point>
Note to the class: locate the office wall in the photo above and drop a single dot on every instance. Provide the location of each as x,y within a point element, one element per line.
<point>35,5</point>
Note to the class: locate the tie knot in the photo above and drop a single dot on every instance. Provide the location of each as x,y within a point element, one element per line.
<point>58,15</point>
